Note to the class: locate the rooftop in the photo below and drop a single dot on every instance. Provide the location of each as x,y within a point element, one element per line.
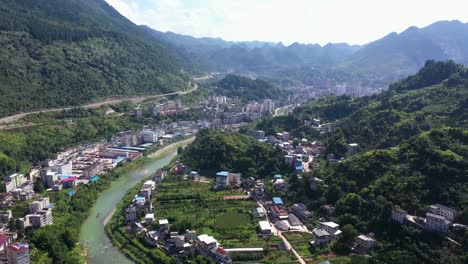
<point>18,247</point>
<point>443,207</point>
<point>366,238</point>
<point>222,174</point>
<point>277,201</point>
<point>264,225</point>
<point>163,222</point>
<point>207,239</point>
<point>331,224</point>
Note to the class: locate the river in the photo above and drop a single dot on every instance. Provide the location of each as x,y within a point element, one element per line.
<point>99,248</point>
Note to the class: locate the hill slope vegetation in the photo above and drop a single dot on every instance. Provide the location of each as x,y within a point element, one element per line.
<point>60,53</point>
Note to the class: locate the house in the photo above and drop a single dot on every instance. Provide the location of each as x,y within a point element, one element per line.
<point>136,227</point>
<point>5,217</point>
<point>364,243</point>
<point>277,201</point>
<point>40,218</point>
<point>264,228</point>
<point>300,210</point>
<point>398,214</point>
<point>176,241</point>
<point>444,211</point>
<point>293,220</point>
<point>278,213</point>
<point>277,176</point>
<point>163,224</point>
<point>259,212</point>
<point>436,223</point>
<point>331,228</point>
<point>353,148</point>
<point>149,218</point>
<point>194,175</point>
<point>5,240</point>
<point>288,159</point>
<point>39,204</point>
<point>159,176</point>
<point>280,185</point>
<point>328,209</point>
<point>130,214</point>
<point>222,179</point>
<point>13,181</point>
<point>190,236</point>
<point>18,253</point>
<point>208,246</point>
<point>321,237</point>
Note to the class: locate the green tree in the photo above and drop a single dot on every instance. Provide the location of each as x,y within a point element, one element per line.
<point>346,240</point>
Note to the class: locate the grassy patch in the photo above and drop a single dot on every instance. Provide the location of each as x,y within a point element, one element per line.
<point>231,220</point>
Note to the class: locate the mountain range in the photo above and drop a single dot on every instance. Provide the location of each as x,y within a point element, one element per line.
<point>56,53</point>
<point>391,57</point>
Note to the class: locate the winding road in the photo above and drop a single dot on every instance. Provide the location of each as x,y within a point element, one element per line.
<point>109,101</point>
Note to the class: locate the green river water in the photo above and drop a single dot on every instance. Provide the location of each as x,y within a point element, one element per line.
<point>99,247</point>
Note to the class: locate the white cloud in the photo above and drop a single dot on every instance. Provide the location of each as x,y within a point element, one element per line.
<point>306,21</point>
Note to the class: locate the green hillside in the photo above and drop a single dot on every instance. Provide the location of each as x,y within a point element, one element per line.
<point>67,52</point>
<point>413,153</point>
<point>433,98</point>
<point>248,89</point>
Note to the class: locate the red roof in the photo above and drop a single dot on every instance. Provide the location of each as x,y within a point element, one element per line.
<point>18,247</point>
<point>221,251</point>
<point>3,239</point>
<point>68,179</point>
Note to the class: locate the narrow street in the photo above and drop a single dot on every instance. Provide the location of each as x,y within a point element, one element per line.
<point>280,235</point>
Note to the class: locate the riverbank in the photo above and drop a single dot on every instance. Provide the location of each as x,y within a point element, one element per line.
<point>98,247</point>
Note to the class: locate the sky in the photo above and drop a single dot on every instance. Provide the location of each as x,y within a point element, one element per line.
<point>289,21</point>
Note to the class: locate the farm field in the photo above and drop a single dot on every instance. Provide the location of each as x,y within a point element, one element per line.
<point>194,205</point>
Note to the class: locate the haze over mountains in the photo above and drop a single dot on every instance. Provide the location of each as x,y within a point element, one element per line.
<point>391,57</point>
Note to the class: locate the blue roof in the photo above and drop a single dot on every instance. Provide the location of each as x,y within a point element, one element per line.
<point>277,201</point>
<point>50,205</point>
<point>222,174</point>
<point>277,176</point>
<point>72,192</point>
<point>140,199</point>
<point>95,178</point>
<point>299,168</point>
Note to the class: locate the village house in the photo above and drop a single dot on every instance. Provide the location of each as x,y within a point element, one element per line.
<point>130,214</point>
<point>264,228</point>
<point>18,253</point>
<point>224,179</point>
<point>331,228</point>
<point>208,246</point>
<point>444,211</point>
<point>398,214</point>
<point>364,243</point>
<point>321,237</point>
<point>436,223</point>
<point>300,210</point>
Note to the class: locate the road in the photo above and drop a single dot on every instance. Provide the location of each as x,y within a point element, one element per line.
<point>278,233</point>
<point>135,99</point>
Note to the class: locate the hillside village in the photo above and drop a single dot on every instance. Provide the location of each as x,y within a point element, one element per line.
<point>273,216</point>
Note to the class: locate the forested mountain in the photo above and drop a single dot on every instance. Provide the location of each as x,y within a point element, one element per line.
<point>66,52</point>
<point>248,89</point>
<point>433,98</point>
<point>389,58</point>
<point>259,57</point>
<point>413,152</point>
<point>398,55</point>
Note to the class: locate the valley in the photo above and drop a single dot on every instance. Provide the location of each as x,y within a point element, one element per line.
<point>124,142</point>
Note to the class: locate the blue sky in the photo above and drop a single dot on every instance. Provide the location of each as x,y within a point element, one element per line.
<point>288,21</point>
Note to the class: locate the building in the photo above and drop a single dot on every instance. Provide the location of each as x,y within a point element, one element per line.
<point>331,228</point>
<point>39,204</point>
<point>149,218</point>
<point>194,175</point>
<point>398,214</point>
<point>13,181</point>
<point>436,223</point>
<point>300,210</point>
<point>18,253</point>
<point>444,211</point>
<point>148,136</point>
<point>321,237</point>
<point>40,218</point>
<point>277,201</point>
<point>293,220</point>
<point>163,224</point>
<point>190,235</point>
<point>130,214</point>
<point>264,228</point>
<point>353,148</point>
<point>208,246</point>
<point>288,159</point>
<point>5,217</point>
<point>364,243</point>
<point>93,170</point>
<point>259,212</point>
<point>224,179</point>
